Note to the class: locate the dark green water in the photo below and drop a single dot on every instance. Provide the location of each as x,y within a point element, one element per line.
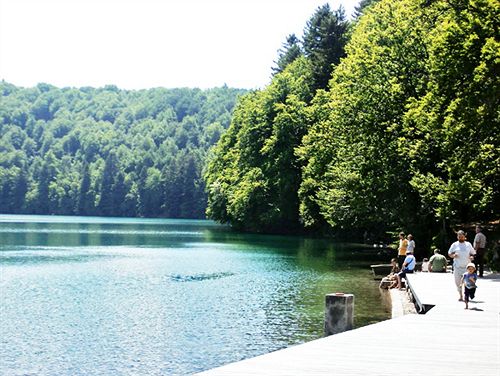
<point>103,296</point>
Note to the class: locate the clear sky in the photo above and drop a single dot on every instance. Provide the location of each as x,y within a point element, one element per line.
<point>140,44</point>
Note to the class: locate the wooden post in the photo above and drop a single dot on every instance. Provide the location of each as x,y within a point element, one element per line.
<point>339,313</point>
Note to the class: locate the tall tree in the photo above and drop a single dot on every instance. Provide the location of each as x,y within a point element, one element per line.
<point>325,37</point>
<point>46,176</point>
<point>354,175</point>
<point>288,53</point>
<point>86,198</point>
<point>453,131</point>
<point>112,195</point>
<point>406,136</point>
<point>254,175</point>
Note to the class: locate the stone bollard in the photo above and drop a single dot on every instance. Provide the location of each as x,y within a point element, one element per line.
<point>339,313</point>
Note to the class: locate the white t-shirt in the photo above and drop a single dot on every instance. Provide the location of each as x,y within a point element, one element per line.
<point>480,240</point>
<point>411,246</point>
<point>425,266</point>
<point>463,250</point>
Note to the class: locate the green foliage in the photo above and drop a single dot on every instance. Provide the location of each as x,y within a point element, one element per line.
<point>454,128</point>
<point>254,175</point>
<point>409,133</point>
<point>108,151</point>
<point>290,51</point>
<point>361,8</point>
<point>325,37</point>
<point>405,136</point>
<point>354,175</point>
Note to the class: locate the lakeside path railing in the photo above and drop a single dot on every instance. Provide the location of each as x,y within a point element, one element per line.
<point>446,340</point>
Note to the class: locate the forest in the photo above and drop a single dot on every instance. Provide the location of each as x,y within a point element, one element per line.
<point>385,122</point>
<point>108,151</point>
<point>389,122</point>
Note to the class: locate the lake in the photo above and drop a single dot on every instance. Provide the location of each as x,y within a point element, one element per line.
<point>122,296</point>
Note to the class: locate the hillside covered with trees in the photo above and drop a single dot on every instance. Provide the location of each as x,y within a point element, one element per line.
<point>108,151</point>
<point>389,122</point>
<point>386,122</point>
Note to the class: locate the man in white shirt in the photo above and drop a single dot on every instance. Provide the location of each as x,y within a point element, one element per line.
<point>479,246</point>
<point>461,252</point>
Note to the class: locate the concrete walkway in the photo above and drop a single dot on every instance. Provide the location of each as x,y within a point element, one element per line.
<point>447,340</point>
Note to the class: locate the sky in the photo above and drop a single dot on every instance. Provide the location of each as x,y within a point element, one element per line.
<point>141,44</point>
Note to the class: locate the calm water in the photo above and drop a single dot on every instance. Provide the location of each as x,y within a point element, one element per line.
<point>108,296</point>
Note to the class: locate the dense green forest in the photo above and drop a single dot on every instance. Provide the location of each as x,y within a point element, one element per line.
<point>108,151</point>
<point>387,122</point>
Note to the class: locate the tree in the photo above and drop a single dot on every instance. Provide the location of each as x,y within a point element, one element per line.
<point>86,198</point>
<point>354,175</point>
<point>46,176</point>
<point>13,188</point>
<point>253,176</point>
<point>152,198</point>
<point>111,187</point>
<point>325,36</point>
<point>361,8</point>
<point>453,130</point>
<point>288,53</point>
<point>56,147</point>
<point>407,136</point>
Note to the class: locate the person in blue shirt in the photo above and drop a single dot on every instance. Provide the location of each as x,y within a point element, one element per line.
<point>408,267</point>
<point>468,282</point>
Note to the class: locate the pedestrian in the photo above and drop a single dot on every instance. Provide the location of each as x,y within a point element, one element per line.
<point>461,252</point>
<point>425,264</point>
<point>408,267</point>
<point>479,246</point>
<point>411,244</point>
<point>437,262</point>
<point>468,280</point>
<point>403,244</point>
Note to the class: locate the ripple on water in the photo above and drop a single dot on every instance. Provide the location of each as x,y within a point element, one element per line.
<point>162,309</point>
<point>199,277</point>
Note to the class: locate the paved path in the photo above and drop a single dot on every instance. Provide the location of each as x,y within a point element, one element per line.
<point>438,290</point>
<point>447,340</point>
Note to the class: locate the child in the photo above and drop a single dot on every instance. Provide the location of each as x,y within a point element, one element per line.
<point>468,281</point>
<point>425,265</point>
<point>395,268</point>
<point>392,276</point>
<point>390,281</point>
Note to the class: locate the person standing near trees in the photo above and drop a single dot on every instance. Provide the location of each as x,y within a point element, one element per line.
<point>403,244</point>
<point>461,252</point>
<point>479,246</point>
<point>411,244</point>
